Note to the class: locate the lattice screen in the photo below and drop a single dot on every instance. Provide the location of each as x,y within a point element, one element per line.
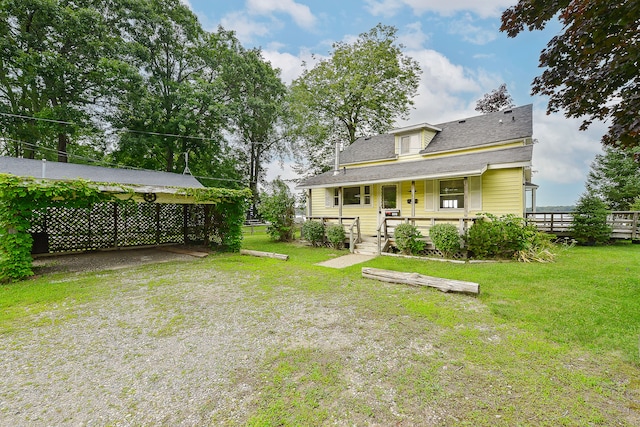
<point>112,225</point>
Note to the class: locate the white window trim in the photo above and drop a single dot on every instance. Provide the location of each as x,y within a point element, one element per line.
<point>362,196</point>
<point>438,195</point>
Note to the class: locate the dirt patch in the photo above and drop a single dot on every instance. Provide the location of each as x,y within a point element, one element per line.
<point>107,260</point>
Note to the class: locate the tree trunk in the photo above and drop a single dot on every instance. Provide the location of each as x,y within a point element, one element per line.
<point>63,141</point>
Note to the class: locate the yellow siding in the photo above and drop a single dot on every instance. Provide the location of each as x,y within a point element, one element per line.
<point>503,192</point>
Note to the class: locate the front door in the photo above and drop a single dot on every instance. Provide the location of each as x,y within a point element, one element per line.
<point>388,204</point>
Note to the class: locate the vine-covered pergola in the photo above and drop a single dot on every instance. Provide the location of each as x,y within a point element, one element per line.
<point>53,213</point>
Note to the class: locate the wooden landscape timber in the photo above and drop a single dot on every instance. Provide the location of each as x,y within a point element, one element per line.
<point>264,254</point>
<point>415,279</point>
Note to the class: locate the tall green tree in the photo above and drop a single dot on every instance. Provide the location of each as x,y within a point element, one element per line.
<point>182,105</point>
<point>591,66</point>
<point>361,89</point>
<point>615,177</point>
<point>258,109</point>
<point>58,59</point>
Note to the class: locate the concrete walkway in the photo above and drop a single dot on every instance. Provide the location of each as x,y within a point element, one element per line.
<point>346,260</point>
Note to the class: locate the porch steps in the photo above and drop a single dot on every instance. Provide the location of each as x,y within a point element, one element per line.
<point>366,247</point>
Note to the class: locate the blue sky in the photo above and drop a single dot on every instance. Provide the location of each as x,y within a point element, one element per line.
<point>459,48</point>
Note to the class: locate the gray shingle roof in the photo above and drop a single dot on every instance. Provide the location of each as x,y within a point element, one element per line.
<point>67,171</point>
<point>465,164</point>
<point>506,125</point>
<point>470,132</point>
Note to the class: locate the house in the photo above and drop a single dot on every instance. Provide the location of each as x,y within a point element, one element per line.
<point>430,173</point>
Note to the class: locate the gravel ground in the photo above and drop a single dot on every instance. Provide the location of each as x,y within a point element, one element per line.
<point>188,352</point>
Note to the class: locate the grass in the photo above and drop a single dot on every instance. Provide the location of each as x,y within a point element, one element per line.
<point>543,344</point>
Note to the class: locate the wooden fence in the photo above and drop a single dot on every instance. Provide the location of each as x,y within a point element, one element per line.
<point>624,224</point>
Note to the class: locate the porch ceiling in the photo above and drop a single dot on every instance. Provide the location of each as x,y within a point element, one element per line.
<point>461,165</point>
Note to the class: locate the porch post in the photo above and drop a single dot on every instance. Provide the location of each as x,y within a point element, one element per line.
<point>340,205</point>
<point>413,198</point>
<point>466,196</point>
<point>533,199</point>
<point>309,205</point>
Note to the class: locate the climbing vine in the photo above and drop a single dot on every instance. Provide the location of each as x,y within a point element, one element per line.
<point>20,197</point>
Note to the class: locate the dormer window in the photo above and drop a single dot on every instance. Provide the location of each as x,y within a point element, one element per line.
<point>410,144</point>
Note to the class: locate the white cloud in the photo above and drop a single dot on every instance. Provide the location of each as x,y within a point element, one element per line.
<point>187,3</point>
<point>413,38</point>
<point>245,28</point>
<point>290,65</point>
<point>444,88</point>
<point>483,8</point>
<point>564,153</point>
<point>472,33</point>
<point>301,14</point>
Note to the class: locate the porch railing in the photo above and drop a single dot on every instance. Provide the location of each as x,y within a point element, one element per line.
<point>624,224</point>
<point>351,226</point>
<point>423,224</point>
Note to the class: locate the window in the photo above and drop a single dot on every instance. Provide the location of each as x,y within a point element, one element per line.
<point>389,196</point>
<point>353,196</point>
<point>452,194</point>
<point>410,144</point>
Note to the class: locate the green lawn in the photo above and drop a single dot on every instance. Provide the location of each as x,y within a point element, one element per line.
<point>543,344</point>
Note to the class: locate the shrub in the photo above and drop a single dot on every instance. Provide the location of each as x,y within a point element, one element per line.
<point>635,206</point>
<point>589,225</point>
<point>407,238</point>
<point>336,236</point>
<point>313,231</point>
<point>277,206</point>
<point>445,238</point>
<point>508,236</point>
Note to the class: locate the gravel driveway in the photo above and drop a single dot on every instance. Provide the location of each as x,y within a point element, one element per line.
<point>185,351</point>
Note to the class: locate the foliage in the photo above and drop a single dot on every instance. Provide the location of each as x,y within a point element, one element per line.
<point>445,238</point>
<point>635,206</point>
<point>505,237</point>
<point>361,89</point>
<point>257,109</point>
<point>313,231</point>
<point>589,225</point>
<point>57,58</point>
<point>277,206</point>
<point>183,101</point>
<point>498,100</point>
<point>19,197</point>
<point>407,238</point>
<point>615,177</point>
<point>591,66</point>
<point>336,235</point>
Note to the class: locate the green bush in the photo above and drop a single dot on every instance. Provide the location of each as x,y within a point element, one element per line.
<point>589,225</point>
<point>277,206</point>
<point>445,238</point>
<point>313,231</point>
<point>635,206</point>
<point>407,238</point>
<point>336,236</point>
<point>508,236</point>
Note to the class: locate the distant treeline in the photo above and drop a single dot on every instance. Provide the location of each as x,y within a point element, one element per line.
<point>553,209</point>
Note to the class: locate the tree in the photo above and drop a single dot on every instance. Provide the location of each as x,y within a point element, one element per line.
<point>57,60</point>
<point>257,110</point>
<point>361,89</point>
<point>498,100</point>
<point>277,206</point>
<point>182,104</point>
<point>591,67</point>
<point>615,177</point>
<point>589,226</point>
